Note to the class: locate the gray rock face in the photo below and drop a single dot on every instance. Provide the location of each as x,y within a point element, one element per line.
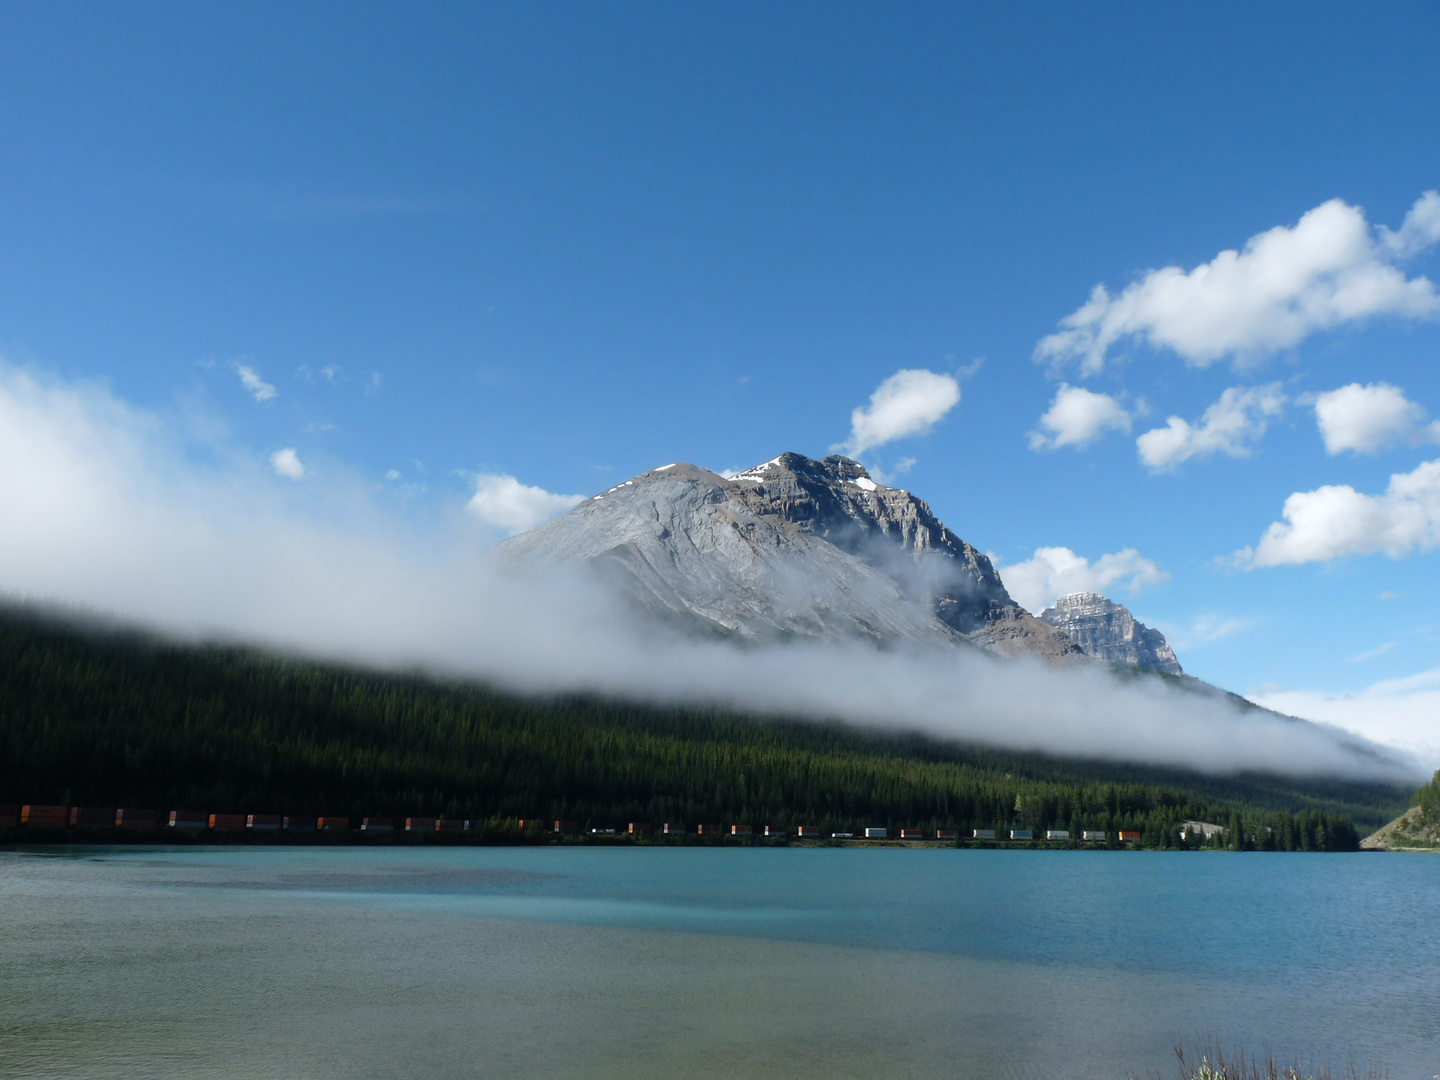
<point>791,548</point>
<point>1107,631</point>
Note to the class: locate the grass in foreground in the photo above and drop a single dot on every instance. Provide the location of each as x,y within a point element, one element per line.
<point>1208,1059</point>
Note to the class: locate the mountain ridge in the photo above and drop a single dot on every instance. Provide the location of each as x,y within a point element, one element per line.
<point>793,547</point>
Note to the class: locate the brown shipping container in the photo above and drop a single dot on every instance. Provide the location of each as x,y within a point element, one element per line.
<point>419,824</point>
<point>375,824</point>
<point>639,828</point>
<point>332,823</point>
<point>707,830</point>
<point>188,819</point>
<point>263,821</point>
<point>92,815</point>
<point>135,819</point>
<point>567,826</point>
<point>227,821</point>
<point>9,813</point>
<point>451,824</point>
<point>302,824</point>
<point>44,815</point>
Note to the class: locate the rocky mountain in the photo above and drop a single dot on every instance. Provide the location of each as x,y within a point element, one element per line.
<point>791,548</point>
<point>1107,631</point>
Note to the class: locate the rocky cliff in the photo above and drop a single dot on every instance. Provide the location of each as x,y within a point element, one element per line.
<point>791,548</point>
<point>1107,631</point>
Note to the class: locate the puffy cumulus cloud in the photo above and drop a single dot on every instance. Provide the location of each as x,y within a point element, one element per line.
<point>1395,712</point>
<point>1288,282</point>
<point>1337,520</point>
<point>504,502</point>
<point>251,380</point>
<point>286,463</point>
<point>910,402</point>
<point>1420,230</point>
<point>109,509</point>
<point>1077,417</point>
<point>1230,426</point>
<point>1368,418</point>
<point>1053,572</point>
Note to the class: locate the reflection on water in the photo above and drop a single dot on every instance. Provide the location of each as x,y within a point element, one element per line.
<point>390,963</point>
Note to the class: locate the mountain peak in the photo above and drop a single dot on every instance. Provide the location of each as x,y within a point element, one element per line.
<point>835,469</point>
<point>792,547</point>
<point>1108,631</point>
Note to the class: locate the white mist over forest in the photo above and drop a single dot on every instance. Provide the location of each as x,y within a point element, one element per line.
<point>147,519</point>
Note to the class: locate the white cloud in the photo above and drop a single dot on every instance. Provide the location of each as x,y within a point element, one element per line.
<point>287,463</point>
<point>1371,654</point>
<point>1205,629</point>
<point>1288,282</point>
<point>109,508</point>
<point>250,379</point>
<point>1369,418</point>
<point>1421,228</point>
<point>890,476</point>
<point>1338,520</point>
<point>331,373</point>
<point>1229,426</point>
<point>506,503</point>
<point>1398,713</point>
<point>1077,417</point>
<point>910,402</point>
<point>1057,571</point>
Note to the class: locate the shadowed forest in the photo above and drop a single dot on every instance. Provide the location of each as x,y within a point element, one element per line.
<point>111,717</point>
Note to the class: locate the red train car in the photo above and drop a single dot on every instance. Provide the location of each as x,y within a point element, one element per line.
<point>32,814</point>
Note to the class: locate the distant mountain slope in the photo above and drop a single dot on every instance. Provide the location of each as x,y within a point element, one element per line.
<point>1107,631</point>
<point>792,548</point>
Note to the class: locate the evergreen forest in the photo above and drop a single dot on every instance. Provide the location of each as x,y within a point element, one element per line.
<point>118,718</point>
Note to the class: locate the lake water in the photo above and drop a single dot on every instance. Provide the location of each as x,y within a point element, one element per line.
<point>705,962</point>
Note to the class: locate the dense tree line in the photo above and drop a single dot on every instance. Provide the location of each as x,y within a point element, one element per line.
<point>116,718</point>
<point>1428,798</point>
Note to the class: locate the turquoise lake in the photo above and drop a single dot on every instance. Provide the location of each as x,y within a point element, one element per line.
<point>706,962</point>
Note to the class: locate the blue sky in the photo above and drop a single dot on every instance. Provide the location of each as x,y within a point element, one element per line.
<point>568,243</point>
